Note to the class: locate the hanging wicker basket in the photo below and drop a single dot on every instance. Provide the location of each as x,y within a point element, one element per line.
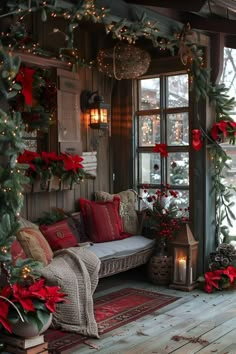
<point>123,61</point>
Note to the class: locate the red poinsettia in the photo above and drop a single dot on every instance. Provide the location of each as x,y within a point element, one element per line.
<point>28,302</point>
<point>65,166</point>
<point>226,128</point>
<point>162,149</point>
<point>72,162</point>
<point>218,279</point>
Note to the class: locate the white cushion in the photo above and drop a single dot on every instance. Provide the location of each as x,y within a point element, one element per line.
<point>120,248</point>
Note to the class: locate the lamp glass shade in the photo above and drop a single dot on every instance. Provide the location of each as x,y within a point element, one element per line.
<point>184,255</point>
<point>99,112</point>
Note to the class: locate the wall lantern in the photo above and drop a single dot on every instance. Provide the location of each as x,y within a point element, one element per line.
<point>184,250</point>
<point>92,103</point>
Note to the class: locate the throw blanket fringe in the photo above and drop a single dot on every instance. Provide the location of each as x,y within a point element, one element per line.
<point>75,270</point>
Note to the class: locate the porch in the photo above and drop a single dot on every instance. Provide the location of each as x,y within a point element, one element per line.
<point>196,323</point>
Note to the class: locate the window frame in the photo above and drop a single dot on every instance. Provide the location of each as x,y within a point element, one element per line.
<point>137,149</point>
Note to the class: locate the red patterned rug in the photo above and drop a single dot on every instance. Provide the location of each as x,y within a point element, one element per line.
<point>112,311</point>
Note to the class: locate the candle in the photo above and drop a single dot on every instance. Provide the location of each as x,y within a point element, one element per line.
<point>182,269</point>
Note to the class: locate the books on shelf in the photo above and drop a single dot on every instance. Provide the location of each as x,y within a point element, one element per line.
<point>38,349</point>
<point>20,342</point>
<point>90,162</point>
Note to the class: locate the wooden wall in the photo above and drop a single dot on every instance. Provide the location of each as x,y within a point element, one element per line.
<point>91,140</point>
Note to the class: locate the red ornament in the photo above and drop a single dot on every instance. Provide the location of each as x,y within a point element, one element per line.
<point>25,77</point>
<point>162,149</point>
<point>197,139</point>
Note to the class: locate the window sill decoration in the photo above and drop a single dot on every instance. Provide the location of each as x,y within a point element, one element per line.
<point>48,166</point>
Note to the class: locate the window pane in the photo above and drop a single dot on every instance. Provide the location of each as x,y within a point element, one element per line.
<point>178,168</point>
<point>177,91</point>
<point>230,180</point>
<point>149,168</point>
<point>149,130</point>
<point>183,201</point>
<point>177,129</point>
<point>149,94</point>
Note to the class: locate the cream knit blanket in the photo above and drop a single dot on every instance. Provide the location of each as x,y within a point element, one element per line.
<point>75,270</point>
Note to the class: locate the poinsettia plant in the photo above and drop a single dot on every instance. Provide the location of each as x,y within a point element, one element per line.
<point>222,269</point>
<point>224,129</point>
<point>31,302</point>
<point>47,164</point>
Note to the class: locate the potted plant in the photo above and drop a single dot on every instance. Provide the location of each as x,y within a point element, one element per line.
<point>27,306</point>
<point>47,165</point>
<point>163,216</point>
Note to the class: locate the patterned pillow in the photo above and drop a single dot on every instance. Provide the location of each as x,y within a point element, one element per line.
<point>102,220</point>
<point>35,245</point>
<point>127,209</point>
<point>17,252</point>
<point>59,235</point>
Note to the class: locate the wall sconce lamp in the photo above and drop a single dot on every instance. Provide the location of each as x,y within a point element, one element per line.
<point>184,257</point>
<point>92,103</point>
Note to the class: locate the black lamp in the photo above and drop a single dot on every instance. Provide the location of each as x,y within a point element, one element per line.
<point>92,103</point>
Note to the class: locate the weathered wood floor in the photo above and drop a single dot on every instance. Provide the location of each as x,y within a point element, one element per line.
<point>203,323</point>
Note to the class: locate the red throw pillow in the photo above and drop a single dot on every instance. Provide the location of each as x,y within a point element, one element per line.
<point>17,252</point>
<point>59,235</point>
<point>102,220</point>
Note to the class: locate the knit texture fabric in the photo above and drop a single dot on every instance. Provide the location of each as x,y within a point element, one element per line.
<point>75,270</point>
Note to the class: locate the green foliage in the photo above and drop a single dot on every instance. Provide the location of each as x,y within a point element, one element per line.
<point>8,69</point>
<point>49,218</point>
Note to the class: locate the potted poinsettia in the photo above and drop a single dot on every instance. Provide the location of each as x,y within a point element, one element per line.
<point>28,306</point>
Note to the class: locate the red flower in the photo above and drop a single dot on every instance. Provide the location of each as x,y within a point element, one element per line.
<point>50,156</point>
<point>230,272</point>
<point>224,127</point>
<point>161,148</point>
<point>23,296</point>
<point>212,279</point>
<point>72,162</point>
<point>50,294</point>
<point>27,157</point>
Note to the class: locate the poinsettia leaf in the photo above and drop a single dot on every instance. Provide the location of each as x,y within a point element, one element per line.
<point>43,317</point>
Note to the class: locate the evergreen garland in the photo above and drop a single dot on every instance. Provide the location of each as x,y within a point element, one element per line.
<point>12,178</point>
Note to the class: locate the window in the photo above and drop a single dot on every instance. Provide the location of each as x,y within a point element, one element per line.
<point>229,79</point>
<point>162,116</point>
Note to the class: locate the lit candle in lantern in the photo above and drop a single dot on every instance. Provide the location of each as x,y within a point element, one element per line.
<point>182,269</point>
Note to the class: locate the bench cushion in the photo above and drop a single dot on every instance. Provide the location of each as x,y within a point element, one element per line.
<point>120,248</point>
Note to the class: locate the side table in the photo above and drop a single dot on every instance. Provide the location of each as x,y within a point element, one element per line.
<point>159,269</point>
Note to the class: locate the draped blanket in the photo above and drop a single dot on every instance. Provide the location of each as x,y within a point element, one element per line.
<point>75,270</point>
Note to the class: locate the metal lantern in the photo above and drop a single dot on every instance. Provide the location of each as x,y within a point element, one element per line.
<point>98,110</point>
<point>184,250</point>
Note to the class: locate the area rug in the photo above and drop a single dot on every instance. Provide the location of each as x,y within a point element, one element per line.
<point>112,311</point>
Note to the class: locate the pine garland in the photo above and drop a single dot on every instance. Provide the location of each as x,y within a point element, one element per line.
<point>12,179</point>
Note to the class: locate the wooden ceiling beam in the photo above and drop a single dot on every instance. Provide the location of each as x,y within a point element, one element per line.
<point>210,24</point>
<point>182,5</point>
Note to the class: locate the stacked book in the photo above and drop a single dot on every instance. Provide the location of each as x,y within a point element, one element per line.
<point>90,162</point>
<point>19,345</point>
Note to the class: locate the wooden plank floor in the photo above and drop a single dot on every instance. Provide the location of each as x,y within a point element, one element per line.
<point>202,323</point>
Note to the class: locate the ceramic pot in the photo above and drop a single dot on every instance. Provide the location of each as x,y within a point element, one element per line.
<point>28,330</point>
